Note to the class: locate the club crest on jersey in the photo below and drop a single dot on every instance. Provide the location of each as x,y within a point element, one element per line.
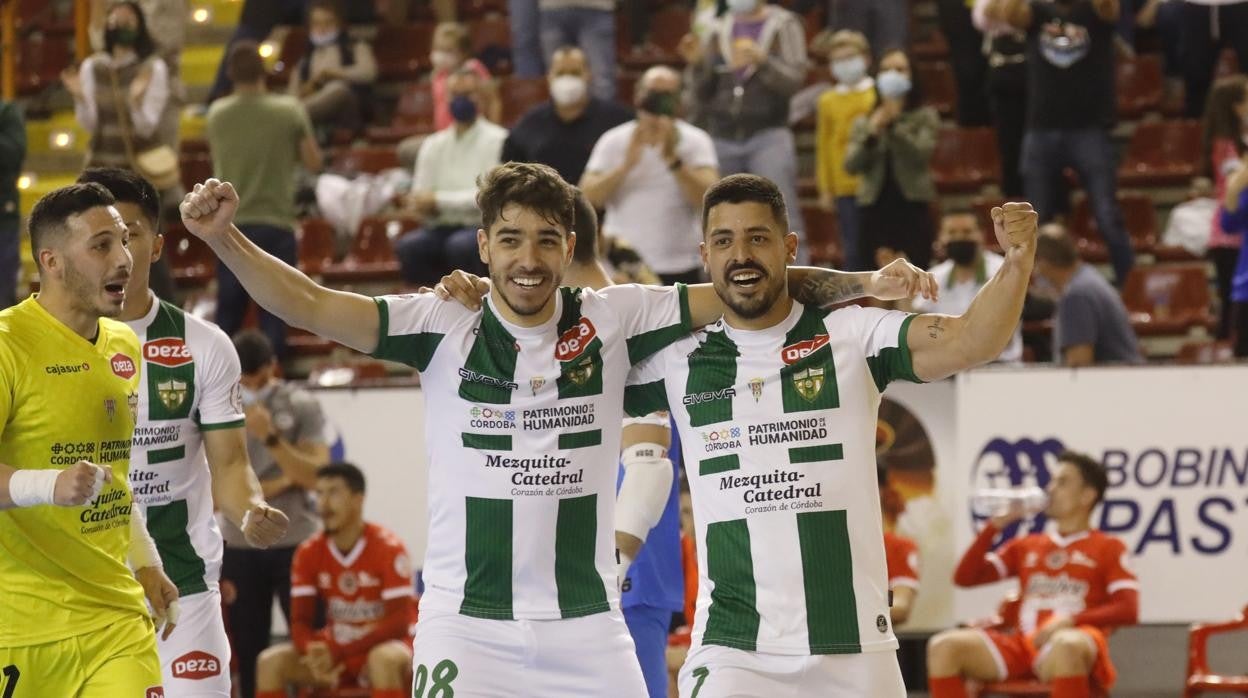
<point>132,401</point>
<point>123,366</point>
<point>536,383</point>
<point>796,352</point>
<point>573,343</point>
<point>756,388</point>
<point>170,352</point>
<point>347,583</point>
<point>1056,559</point>
<point>809,383</point>
<point>110,406</point>
<point>172,393</point>
<point>581,372</point>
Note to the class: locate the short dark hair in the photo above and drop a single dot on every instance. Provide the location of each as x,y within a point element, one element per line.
<point>331,6</point>
<point>255,351</point>
<point>1058,249</point>
<point>532,185</point>
<point>586,227</point>
<point>1092,472</point>
<point>353,476</point>
<point>244,64</point>
<point>127,187</point>
<point>51,213</point>
<point>741,188</point>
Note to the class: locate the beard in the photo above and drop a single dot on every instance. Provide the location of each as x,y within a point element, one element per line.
<point>501,290</point>
<point>755,306</point>
<point>86,292</point>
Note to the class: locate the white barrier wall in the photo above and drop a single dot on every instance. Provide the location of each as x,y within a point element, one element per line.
<point>1175,439</point>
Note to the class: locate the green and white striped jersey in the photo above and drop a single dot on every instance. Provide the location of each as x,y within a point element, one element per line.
<point>190,377</point>
<point>778,430</point>
<point>523,435</point>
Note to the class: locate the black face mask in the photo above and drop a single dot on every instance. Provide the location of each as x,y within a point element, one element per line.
<point>962,252</point>
<point>121,36</point>
<point>660,103</point>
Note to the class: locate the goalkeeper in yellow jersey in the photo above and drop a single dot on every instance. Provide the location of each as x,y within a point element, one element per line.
<point>72,615</point>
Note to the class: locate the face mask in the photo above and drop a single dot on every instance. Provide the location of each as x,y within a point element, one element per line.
<point>849,71</point>
<point>442,60</point>
<point>121,36</point>
<point>962,252</point>
<point>893,84</point>
<point>463,109</point>
<point>742,7</point>
<point>323,40</point>
<point>660,103</point>
<point>567,89</point>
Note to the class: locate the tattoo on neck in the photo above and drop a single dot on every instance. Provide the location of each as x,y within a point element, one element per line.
<point>935,329</point>
<point>824,288</point>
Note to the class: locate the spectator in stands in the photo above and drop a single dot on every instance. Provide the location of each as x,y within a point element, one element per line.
<point>966,56</point>
<point>892,151</point>
<point>1165,17</point>
<point>851,97</point>
<point>885,23</point>
<point>451,52</point>
<point>1223,150</point>
<point>1208,26</point>
<point>256,21</point>
<point>1006,49</point>
<point>287,446</point>
<point>967,267</point>
<point>587,24</point>
<point>526,39</point>
<point>257,141</point>
<point>444,187</point>
<point>1072,105</point>
<point>334,79</point>
<point>562,132</point>
<point>1091,325</point>
<point>1061,631</point>
<point>1234,218</point>
<point>12,155</point>
<point>743,75</point>
<point>650,175</point>
<point>368,626</point>
<point>901,555</point>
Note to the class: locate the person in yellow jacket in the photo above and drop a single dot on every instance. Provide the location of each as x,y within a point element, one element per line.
<point>76,561</point>
<point>852,96</point>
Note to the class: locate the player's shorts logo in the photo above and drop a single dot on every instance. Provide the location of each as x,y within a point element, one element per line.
<point>170,352</point>
<point>809,383</point>
<point>796,352</point>
<point>1021,463</point>
<point>123,366</point>
<point>172,393</point>
<point>196,666</point>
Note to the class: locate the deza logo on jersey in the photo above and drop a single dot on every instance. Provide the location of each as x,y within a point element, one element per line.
<point>123,366</point>
<point>170,352</point>
<point>1168,501</point>
<point>574,342</point>
<point>196,666</point>
<point>796,352</point>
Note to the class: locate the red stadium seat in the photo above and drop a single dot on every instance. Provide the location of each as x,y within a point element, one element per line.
<point>190,259</point>
<point>412,115</point>
<point>402,50</point>
<point>965,159</point>
<point>294,46</point>
<point>1138,214</point>
<point>823,236</point>
<point>468,9</point>
<point>1139,85</point>
<point>1199,679</point>
<point>304,343</point>
<point>982,207</point>
<point>316,244</point>
<point>369,159</point>
<point>371,256</point>
<point>491,35</point>
<point>939,89</point>
<point>40,59</point>
<point>195,168</point>
<point>933,46</point>
<point>1167,300</point>
<point>667,26</point>
<point>519,95</point>
<point>1162,153</point>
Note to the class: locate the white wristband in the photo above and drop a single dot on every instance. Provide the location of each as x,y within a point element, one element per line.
<point>143,552</point>
<point>29,488</point>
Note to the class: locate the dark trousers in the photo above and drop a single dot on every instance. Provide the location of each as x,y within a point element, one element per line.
<point>233,299</point>
<point>426,254</point>
<point>10,263</point>
<point>258,19</point>
<point>1091,153</point>
<point>258,576</point>
<point>1240,311</point>
<point>1201,46</point>
<point>1007,98</point>
<point>970,66</point>
<point>1224,259</point>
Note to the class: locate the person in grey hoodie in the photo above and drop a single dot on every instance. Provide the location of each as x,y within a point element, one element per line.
<point>742,76</point>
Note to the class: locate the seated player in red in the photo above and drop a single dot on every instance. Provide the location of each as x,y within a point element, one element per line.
<point>1075,589</point>
<point>361,574</point>
<point>900,553</point>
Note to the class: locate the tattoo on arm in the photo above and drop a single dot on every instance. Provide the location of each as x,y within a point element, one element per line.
<point>937,328</point>
<point>824,288</point>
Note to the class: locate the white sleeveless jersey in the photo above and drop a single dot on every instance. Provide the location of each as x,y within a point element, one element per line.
<point>190,385</point>
<point>523,437</point>
<point>778,428</point>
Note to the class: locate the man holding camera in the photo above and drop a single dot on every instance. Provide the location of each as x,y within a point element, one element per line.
<point>655,168</point>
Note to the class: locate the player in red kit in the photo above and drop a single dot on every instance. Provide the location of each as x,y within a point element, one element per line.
<point>901,554</point>
<point>361,574</point>
<point>1075,589</point>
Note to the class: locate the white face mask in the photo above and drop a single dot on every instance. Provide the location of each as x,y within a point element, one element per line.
<point>442,60</point>
<point>568,89</point>
<point>742,7</point>
<point>320,40</point>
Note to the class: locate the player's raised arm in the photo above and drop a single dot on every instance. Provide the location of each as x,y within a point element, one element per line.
<point>347,318</point>
<point>941,345</point>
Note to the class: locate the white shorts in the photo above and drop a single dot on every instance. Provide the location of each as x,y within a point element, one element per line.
<point>711,671</point>
<point>584,657</point>
<point>195,660</point>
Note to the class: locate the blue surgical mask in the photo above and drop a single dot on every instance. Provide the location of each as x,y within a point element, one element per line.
<point>848,71</point>
<point>463,109</point>
<point>893,84</point>
<point>742,7</point>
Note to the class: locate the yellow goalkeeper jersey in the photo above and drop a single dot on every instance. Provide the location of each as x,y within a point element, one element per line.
<point>63,399</point>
